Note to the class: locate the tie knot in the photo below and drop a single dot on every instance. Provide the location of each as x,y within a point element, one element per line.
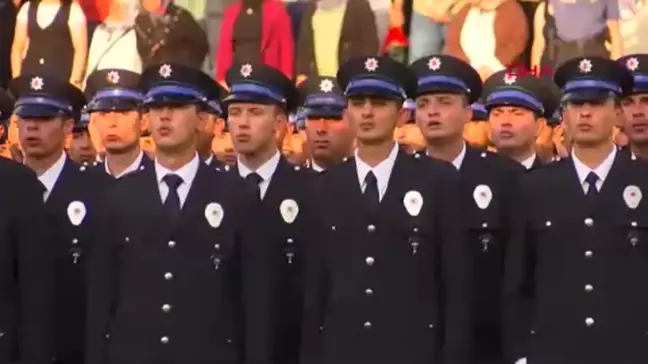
<point>370,178</point>
<point>254,179</point>
<point>592,178</point>
<point>173,181</point>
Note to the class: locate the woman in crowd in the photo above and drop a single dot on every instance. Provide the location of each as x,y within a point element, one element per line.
<point>114,43</point>
<point>50,39</point>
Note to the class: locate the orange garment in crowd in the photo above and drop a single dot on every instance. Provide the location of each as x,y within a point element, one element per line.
<point>95,10</point>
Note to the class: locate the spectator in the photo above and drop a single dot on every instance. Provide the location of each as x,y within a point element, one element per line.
<point>8,9</point>
<point>256,31</point>
<point>167,33</point>
<point>96,12</point>
<point>381,10</point>
<point>50,39</point>
<point>214,12</point>
<point>491,35</point>
<point>330,25</point>
<point>583,26</point>
<point>543,50</point>
<point>295,10</point>
<point>114,43</point>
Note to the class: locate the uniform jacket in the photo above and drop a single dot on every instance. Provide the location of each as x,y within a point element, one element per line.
<point>192,291</point>
<point>277,39</point>
<point>146,162</point>
<point>76,194</point>
<point>26,300</point>
<point>574,267</point>
<point>355,41</point>
<point>390,286</point>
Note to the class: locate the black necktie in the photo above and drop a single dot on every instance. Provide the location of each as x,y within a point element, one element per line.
<point>371,194</point>
<point>172,203</point>
<point>591,179</point>
<point>255,181</point>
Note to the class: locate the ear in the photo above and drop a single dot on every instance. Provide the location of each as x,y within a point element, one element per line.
<point>541,127</point>
<point>201,120</point>
<point>144,122</point>
<point>68,125</point>
<point>219,127</point>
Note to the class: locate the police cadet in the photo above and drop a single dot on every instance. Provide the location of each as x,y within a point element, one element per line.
<point>635,105</point>
<point>26,302</point>
<point>180,250</point>
<point>80,148</point>
<point>115,96</point>
<point>391,279</point>
<point>258,104</point>
<point>329,137</point>
<point>214,123</point>
<point>447,87</point>
<point>47,110</point>
<point>573,274</point>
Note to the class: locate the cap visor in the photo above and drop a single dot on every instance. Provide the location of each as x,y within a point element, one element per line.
<point>37,112</point>
<point>323,113</point>
<point>587,96</point>
<point>373,93</point>
<point>249,97</point>
<point>113,105</point>
<point>169,100</point>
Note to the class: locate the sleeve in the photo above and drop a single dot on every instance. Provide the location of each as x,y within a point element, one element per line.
<point>23,13</point>
<point>612,10</point>
<point>225,55</point>
<point>511,33</point>
<point>77,17</point>
<point>35,267</point>
<point>286,43</point>
<point>453,35</point>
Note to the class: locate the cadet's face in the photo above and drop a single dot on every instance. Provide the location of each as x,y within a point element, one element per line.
<point>206,136</point>
<point>253,127</point>
<point>591,123</point>
<point>373,120</point>
<point>328,138</point>
<point>119,131</point>
<point>176,127</point>
<point>224,149</point>
<point>409,137</point>
<point>512,127</point>
<point>44,137</point>
<point>442,116</point>
<point>81,149</point>
<point>635,109</point>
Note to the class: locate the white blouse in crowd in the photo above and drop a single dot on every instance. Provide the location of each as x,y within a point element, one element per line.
<point>478,39</point>
<point>113,48</point>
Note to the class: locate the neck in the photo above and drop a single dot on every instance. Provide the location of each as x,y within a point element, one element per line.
<point>373,154</point>
<point>205,153</point>
<point>446,150</point>
<point>641,151</point>
<point>41,165</point>
<point>255,160</point>
<point>592,157</point>
<point>519,155</point>
<point>176,160</point>
<point>117,163</point>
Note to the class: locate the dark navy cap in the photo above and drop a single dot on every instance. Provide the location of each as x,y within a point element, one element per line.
<point>479,112</point>
<point>45,97</point>
<point>82,124</point>
<point>170,84</point>
<point>321,97</point>
<point>441,73</point>
<point>637,64</point>
<point>593,78</point>
<point>113,90</point>
<point>530,92</point>
<point>260,83</point>
<point>6,105</point>
<point>379,76</point>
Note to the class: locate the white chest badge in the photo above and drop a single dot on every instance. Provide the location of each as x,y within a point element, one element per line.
<point>289,210</point>
<point>632,196</point>
<point>413,202</point>
<point>76,212</point>
<point>483,196</point>
<point>214,214</point>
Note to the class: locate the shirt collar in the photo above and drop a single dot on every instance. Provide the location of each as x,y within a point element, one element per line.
<point>132,168</point>
<point>601,171</point>
<point>49,177</point>
<point>209,159</point>
<point>186,172</point>
<point>459,160</point>
<point>382,170</point>
<point>316,167</point>
<point>265,170</point>
<point>528,163</point>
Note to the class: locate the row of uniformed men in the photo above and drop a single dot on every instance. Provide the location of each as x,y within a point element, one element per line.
<point>384,258</point>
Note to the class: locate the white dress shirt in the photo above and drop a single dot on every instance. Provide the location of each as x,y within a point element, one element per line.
<point>49,178</point>
<point>266,171</point>
<point>316,167</point>
<point>186,172</point>
<point>209,160</point>
<point>528,163</point>
<point>132,168</point>
<point>459,159</point>
<point>382,171</point>
<point>601,171</point>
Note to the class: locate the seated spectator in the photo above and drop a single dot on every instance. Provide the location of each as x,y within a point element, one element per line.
<point>51,40</point>
<point>584,26</point>
<point>114,43</point>
<point>256,31</point>
<point>491,35</point>
<point>330,36</point>
<point>167,33</point>
<point>8,10</point>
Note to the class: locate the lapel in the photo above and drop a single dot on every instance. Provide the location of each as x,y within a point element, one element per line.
<point>146,162</point>
<point>349,192</point>
<point>195,203</point>
<point>469,163</point>
<point>149,203</point>
<point>611,190</point>
<point>279,183</point>
<point>64,183</point>
<point>397,184</point>
<point>537,163</point>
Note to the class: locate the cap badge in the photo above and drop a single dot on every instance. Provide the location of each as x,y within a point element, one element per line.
<point>632,196</point>
<point>289,210</point>
<point>37,84</point>
<point>113,77</point>
<point>371,64</point>
<point>165,71</point>
<point>483,196</point>
<point>326,86</point>
<point>585,66</point>
<point>246,70</point>
<point>510,78</point>
<point>214,214</point>
<point>413,202</point>
<point>632,64</point>
<point>434,64</point>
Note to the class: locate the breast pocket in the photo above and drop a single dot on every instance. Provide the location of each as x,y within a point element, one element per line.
<point>632,233</point>
<point>487,233</point>
<point>213,246</point>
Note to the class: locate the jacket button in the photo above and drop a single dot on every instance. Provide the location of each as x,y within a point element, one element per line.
<point>589,322</point>
<point>548,223</point>
<point>367,325</point>
<point>589,254</point>
<point>589,288</point>
<point>164,340</point>
<point>589,222</point>
<point>1,335</point>
<point>369,292</point>
<point>168,276</point>
<point>370,261</point>
<point>41,61</point>
<point>371,228</point>
<point>171,244</point>
<point>166,307</point>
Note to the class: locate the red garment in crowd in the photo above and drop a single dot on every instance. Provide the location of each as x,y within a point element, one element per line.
<point>277,43</point>
<point>95,10</point>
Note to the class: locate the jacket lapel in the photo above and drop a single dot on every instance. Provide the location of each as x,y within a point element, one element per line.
<point>57,197</point>
<point>194,204</point>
